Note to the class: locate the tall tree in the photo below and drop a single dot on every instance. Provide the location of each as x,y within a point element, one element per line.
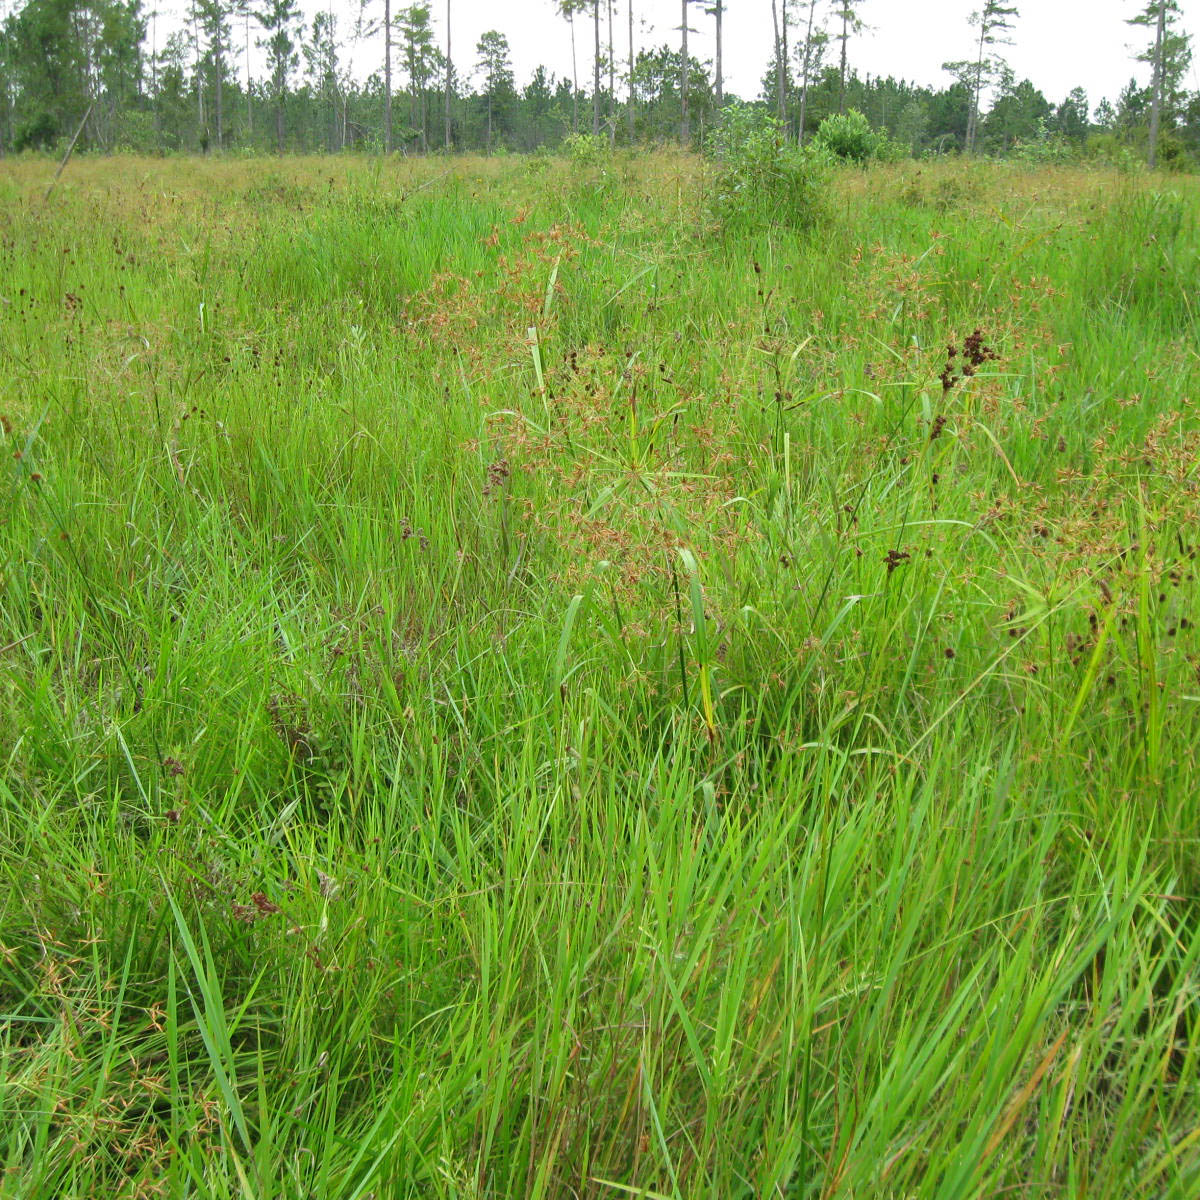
<point>1071,116</point>
<point>7,83</point>
<point>321,59</point>
<point>632,55</point>
<point>449,77</point>
<point>568,9</point>
<point>612,79</point>
<point>1169,55</point>
<point>716,10</point>
<point>495,70</point>
<point>596,70</point>
<point>416,30</point>
<point>780,65</point>
<point>995,21</point>
<point>245,10</point>
<point>387,76</point>
<point>811,53</point>
<point>193,16</point>
<point>846,12</point>
<point>278,19</point>
<point>213,16</point>
<point>685,127</point>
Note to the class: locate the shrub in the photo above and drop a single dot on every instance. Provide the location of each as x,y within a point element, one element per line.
<point>1046,148</point>
<point>849,136</point>
<point>1108,150</point>
<point>39,132</point>
<point>586,149</point>
<point>760,178</point>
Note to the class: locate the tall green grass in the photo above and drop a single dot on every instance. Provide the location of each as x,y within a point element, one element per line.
<point>509,690</point>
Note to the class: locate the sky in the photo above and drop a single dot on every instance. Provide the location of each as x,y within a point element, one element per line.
<point>1058,44</point>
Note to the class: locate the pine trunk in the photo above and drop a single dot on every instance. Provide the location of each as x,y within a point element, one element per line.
<point>387,76</point>
<point>685,125</point>
<point>249,87</point>
<point>842,68</point>
<point>812,13</point>
<point>574,78</point>
<point>219,64</point>
<point>779,102</point>
<point>596,70</point>
<point>449,76</point>
<point>719,16</point>
<point>632,105</point>
<point>612,79</point>
<point>977,90</point>
<point>1157,83</point>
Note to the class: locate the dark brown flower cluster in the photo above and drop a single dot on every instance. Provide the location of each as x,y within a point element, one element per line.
<point>975,352</point>
<point>259,906</point>
<point>497,474</point>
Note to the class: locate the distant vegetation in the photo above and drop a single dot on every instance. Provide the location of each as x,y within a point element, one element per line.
<point>238,76</point>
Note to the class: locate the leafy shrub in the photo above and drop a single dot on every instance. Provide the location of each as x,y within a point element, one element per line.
<point>586,149</point>
<point>1107,149</point>
<point>1046,148</point>
<point>760,178</point>
<point>39,132</point>
<point>538,162</point>
<point>849,136</point>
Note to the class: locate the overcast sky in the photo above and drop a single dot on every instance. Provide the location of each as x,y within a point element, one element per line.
<point>1059,44</point>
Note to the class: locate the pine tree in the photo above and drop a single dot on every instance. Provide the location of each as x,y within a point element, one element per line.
<point>632,63</point>
<point>321,57</point>
<point>449,78</point>
<point>845,11</point>
<point>995,20</point>
<point>815,40</point>
<point>716,10</point>
<point>213,17</point>
<point>278,19</point>
<point>1169,55</point>
<point>245,10</point>
<point>495,70</point>
<point>416,30</point>
<point>596,70</point>
<point>568,9</point>
<point>685,124</point>
<point>612,80</point>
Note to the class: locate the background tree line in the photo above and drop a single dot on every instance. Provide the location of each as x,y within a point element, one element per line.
<point>254,75</point>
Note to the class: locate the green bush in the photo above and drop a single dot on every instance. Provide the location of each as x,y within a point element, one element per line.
<point>849,136</point>
<point>1109,150</point>
<point>1046,148</point>
<point>761,178</point>
<point>586,149</point>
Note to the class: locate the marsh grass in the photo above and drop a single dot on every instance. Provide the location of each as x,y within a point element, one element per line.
<point>711,746</point>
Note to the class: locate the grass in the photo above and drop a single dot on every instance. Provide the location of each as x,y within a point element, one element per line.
<point>508,692</point>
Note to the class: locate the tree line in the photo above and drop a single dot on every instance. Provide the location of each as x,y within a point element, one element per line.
<point>254,75</point>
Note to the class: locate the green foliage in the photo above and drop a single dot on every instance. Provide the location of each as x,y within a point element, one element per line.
<point>1047,148</point>
<point>587,149</point>
<point>39,131</point>
<point>849,136</point>
<point>759,178</point>
<point>1113,151</point>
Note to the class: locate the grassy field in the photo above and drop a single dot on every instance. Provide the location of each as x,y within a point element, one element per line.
<point>508,692</point>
